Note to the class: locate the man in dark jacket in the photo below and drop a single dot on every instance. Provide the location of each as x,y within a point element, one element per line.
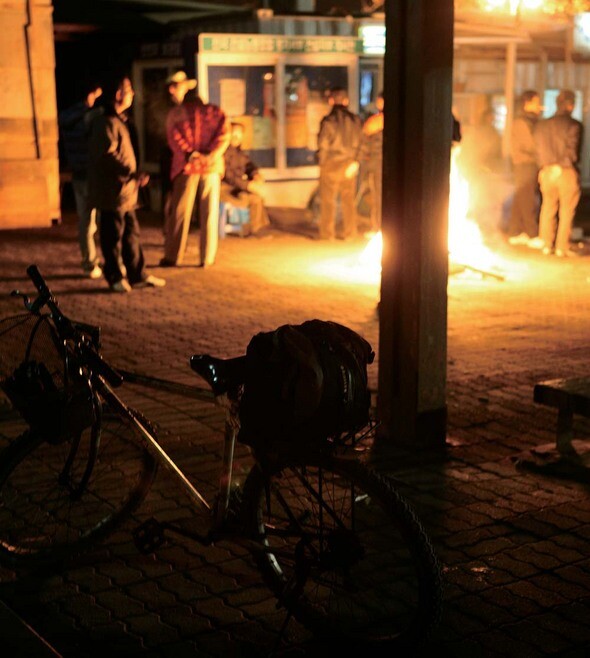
<point>522,228</point>
<point>372,156</point>
<point>339,142</point>
<point>74,125</point>
<point>558,141</point>
<point>242,182</point>
<point>113,182</point>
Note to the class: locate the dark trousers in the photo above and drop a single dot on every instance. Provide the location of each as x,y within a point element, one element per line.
<point>121,250</point>
<point>525,206</point>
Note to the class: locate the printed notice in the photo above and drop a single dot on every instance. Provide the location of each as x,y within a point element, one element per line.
<point>232,95</point>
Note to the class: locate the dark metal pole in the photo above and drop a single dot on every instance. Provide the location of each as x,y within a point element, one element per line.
<point>416,152</point>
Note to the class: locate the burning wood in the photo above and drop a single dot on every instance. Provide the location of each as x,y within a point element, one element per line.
<point>466,244</point>
<point>467,250</point>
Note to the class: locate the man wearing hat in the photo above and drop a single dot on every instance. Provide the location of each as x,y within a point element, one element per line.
<point>198,135</point>
<point>557,143</point>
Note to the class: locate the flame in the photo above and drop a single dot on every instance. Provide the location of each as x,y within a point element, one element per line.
<point>513,7</point>
<point>363,268</point>
<point>466,245</point>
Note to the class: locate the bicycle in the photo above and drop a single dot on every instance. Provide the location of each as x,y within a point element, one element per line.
<point>337,544</point>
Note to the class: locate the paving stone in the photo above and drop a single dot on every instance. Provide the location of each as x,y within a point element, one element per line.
<point>490,547</point>
<point>554,547</point>
<point>120,604</point>
<point>540,640</point>
<point>544,597</point>
<point>501,643</point>
<point>575,633</point>
<point>542,561</point>
<point>151,592</point>
<point>152,630</point>
<point>186,620</point>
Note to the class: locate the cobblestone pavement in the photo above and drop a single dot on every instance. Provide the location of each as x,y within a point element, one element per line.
<point>514,544</point>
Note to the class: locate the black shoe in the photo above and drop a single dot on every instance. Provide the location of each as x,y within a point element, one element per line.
<point>166,263</point>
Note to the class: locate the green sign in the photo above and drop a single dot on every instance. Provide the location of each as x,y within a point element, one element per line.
<point>274,44</point>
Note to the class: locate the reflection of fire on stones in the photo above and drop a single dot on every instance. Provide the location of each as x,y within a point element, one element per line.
<point>370,257</point>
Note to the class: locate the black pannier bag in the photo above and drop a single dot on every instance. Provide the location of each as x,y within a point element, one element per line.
<point>54,413</point>
<point>304,383</point>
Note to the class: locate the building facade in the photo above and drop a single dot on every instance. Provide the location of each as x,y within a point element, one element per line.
<point>29,170</point>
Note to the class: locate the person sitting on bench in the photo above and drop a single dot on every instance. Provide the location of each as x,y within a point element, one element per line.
<point>242,184</point>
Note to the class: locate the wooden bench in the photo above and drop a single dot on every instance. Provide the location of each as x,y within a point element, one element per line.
<point>569,397</point>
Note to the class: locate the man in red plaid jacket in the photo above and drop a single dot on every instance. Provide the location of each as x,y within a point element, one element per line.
<point>198,134</point>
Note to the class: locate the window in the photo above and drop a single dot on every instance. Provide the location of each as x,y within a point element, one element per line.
<point>247,94</point>
<point>306,104</point>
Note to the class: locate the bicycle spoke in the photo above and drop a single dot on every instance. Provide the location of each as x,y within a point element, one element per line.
<point>347,564</point>
<point>42,517</point>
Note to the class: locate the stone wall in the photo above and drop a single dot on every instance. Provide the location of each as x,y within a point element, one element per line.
<point>29,170</point>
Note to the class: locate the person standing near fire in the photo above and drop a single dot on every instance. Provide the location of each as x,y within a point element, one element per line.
<point>372,157</point>
<point>339,142</point>
<point>113,186</point>
<point>198,134</point>
<point>558,141</point>
<point>522,228</point>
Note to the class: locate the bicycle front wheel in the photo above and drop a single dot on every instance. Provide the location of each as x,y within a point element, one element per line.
<point>58,500</point>
<point>344,552</point>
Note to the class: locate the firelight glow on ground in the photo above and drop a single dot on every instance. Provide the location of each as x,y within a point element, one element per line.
<point>468,253</point>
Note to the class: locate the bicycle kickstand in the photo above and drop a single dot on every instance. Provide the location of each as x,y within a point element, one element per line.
<point>149,535</point>
<point>281,634</point>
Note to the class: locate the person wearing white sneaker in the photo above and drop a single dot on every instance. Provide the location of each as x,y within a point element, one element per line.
<point>568,253</point>
<point>95,272</point>
<point>120,286</point>
<point>150,281</point>
<point>113,186</point>
<point>536,243</point>
<point>525,207</point>
<point>521,238</point>
<point>558,142</point>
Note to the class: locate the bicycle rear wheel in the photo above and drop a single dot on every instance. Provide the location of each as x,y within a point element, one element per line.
<point>344,552</point>
<point>57,500</point>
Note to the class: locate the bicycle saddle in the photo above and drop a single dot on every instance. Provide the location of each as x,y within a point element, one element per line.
<point>220,374</point>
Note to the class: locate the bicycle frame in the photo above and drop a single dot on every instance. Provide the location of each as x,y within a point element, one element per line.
<point>68,330</point>
<point>230,433</point>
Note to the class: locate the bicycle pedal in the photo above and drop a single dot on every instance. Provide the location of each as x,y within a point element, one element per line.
<point>148,536</point>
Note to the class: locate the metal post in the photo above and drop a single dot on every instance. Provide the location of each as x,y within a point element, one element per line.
<point>568,63</point>
<point>542,74</point>
<point>509,79</point>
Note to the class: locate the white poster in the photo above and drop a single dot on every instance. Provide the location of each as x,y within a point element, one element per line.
<point>232,95</point>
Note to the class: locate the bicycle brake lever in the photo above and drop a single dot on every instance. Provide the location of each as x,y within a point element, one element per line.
<point>26,299</point>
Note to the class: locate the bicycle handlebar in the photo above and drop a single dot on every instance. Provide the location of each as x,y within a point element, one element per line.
<point>66,329</point>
